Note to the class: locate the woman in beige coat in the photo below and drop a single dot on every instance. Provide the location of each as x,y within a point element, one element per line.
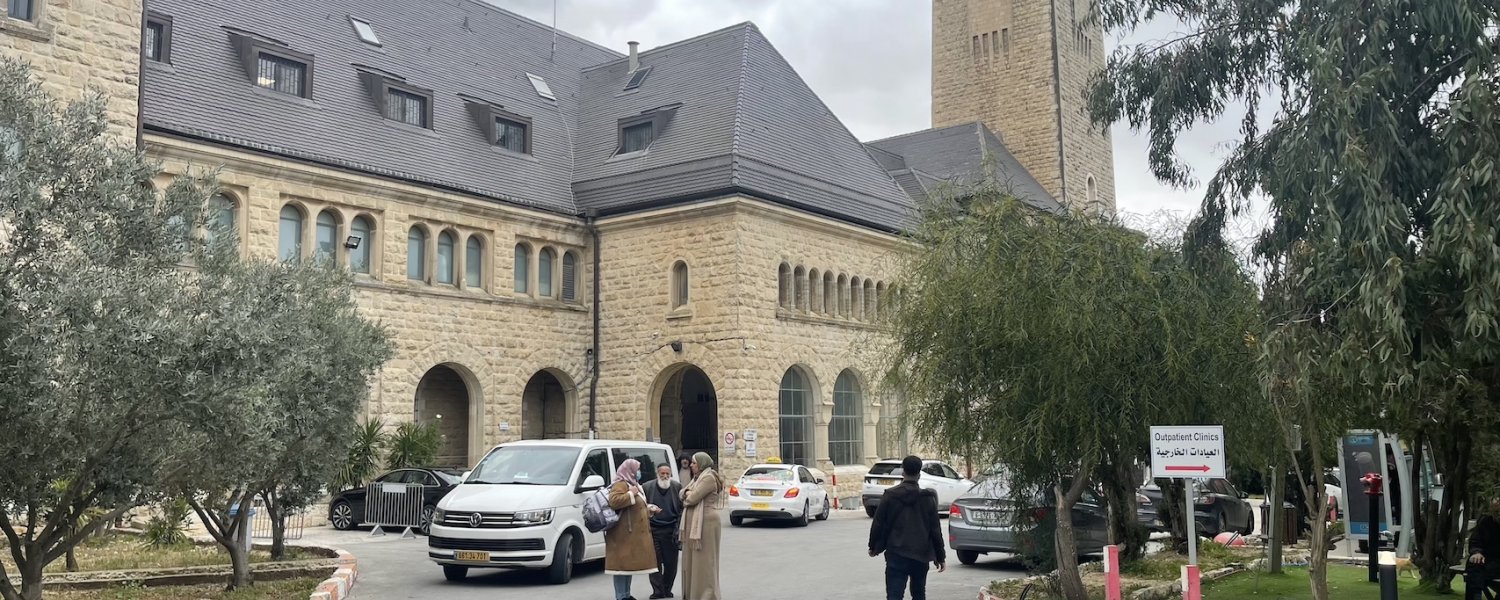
<point>700,531</point>
<point>628,550</point>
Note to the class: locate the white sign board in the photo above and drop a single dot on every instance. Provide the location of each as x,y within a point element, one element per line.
<point>729,441</point>
<point>749,448</point>
<point>750,435</point>
<point>505,427</point>
<point>1189,452</point>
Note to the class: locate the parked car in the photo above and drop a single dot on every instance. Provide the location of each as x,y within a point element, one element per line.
<point>936,476</point>
<point>1219,507</point>
<point>1148,513</point>
<point>986,519</point>
<point>778,491</point>
<point>522,506</point>
<point>347,510</point>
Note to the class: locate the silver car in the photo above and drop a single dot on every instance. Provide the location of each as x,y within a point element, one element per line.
<point>984,520</point>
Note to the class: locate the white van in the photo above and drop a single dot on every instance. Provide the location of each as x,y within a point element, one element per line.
<point>522,506</point>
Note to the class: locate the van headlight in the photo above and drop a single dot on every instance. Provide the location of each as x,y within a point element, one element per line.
<point>439,515</point>
<point>533,517</point>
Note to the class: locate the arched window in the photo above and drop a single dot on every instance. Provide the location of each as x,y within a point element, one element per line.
<point>570,276</point>
<point>474,262</point>
<point>679,284</point>
<point>843,295</point>
<point>289,242</point>
<point>445,265</point>
<point>871,301</point>
<point>799,288</point>
<point>326,235</point>
<point>784,285</point>
<point>1093,191</point>
<point>830,295</point>
<point>795,412</point>
<point>856,299</point>
<point>221,211</point>
<point>544,272</point>
<point>846,430</point>
<point>882,300</point>
<point>416,254</point>
<point>892,437</point>
<point>359,256</point>
<point>522,269</point>
<point>814,291</point>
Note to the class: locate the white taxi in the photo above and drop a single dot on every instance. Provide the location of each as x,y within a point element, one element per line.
<point>778,491</point>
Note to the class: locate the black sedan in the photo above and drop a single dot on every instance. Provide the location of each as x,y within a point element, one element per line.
<point>1219,507</point>
<point>347,510</point>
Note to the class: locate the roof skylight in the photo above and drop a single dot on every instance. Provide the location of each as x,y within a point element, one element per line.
<point>542,89</point>
<point>637,78</point>
<point>365,31</point>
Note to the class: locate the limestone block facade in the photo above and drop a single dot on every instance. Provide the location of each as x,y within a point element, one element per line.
<point>80,45</point>
<point>1021,68</point>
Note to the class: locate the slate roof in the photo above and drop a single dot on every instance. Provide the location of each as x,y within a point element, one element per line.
<point>740,119</point>
<point>922,161</point>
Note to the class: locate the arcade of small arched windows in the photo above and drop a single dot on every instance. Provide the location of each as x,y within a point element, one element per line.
<point>831,294</point>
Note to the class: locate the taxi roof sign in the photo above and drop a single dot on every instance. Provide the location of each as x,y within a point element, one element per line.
<point>774,460</point>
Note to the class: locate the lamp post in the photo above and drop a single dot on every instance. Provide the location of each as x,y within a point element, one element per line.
<point>1372,483</point>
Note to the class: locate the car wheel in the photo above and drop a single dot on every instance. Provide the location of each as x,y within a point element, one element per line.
<point>561,570</point>
<point>802,520</point>
<point>341,516</point>
<point>425,525</point>
<point>827,509</point>
<point>870,511</point>
<point>967,557</point>
<point>1223,523</point>
<point>736,521</point>
<point>455,572</point>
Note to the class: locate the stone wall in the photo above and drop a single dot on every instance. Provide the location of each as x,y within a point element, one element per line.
<point>992,61</point>
<point>77,45</point>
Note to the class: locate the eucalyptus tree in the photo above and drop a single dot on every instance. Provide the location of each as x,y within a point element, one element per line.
<point>1379,167</point>
<point>1050,344</point>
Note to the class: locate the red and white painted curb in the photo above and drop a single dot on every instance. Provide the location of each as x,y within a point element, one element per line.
<point>339,585</point>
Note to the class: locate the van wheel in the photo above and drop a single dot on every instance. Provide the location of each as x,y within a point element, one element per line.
<point>561,570</point>
<point>736,521</point>
<point>455,572</point>
<point>967,557</point>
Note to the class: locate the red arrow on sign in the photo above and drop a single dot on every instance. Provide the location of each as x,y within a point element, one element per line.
<point>1200,468</point>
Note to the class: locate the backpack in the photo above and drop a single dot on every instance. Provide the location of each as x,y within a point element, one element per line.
<point>597,515</point>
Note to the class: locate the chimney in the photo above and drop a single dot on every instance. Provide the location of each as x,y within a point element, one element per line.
<point>635,61</point>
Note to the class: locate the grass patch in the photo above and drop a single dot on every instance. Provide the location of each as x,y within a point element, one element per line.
<point>266,590</point>
<point>113,551</point>
<point>1167,566</point>
<point>1344,583</point>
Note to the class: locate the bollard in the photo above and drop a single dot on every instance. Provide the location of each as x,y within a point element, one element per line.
<point>1372,483</point>
<point>1190,583</point>
<point>1112,572</point>
<point>1387,575</point>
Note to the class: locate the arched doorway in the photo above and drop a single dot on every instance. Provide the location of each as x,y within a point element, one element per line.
<point>689,412</point>
<point>443,400</point>
<point>545,408</point>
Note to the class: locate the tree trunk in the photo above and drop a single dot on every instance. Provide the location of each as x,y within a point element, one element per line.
<point>1068,577</point>
<point>1317,506</point>
<point>1172,512</point>
<point>1125,530</point>
<point>31,575</point>
<point>278,531</point>
<point>1439,542</point>
<point>72,559</point>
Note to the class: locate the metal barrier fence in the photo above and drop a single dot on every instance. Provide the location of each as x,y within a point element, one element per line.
<point>393,505</point>
<point>260,523</point>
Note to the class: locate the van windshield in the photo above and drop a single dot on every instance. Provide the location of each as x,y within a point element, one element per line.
<point>526,465</point>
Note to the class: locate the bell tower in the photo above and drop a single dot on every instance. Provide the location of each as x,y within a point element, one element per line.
<point>1021,68</point>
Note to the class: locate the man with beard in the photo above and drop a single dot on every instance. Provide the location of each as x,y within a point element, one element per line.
<point>666,495</point>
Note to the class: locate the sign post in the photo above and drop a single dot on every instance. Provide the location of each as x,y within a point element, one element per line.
<point>1187,453</point>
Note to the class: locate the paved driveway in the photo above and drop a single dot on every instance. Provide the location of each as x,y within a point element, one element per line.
<point>760,562</point>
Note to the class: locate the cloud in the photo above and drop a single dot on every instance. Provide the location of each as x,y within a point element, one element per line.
<point>871,62</point>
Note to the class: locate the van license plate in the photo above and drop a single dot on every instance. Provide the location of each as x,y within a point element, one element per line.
<point>760,506</point>
<point>471,556</point>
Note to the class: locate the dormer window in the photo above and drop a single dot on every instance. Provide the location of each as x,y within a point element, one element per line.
<point>636,138</point>
<point>272,65</point>
<point>407,107</point>
<point>365,32</point>
<point>637,78</point>
<point>501,127</point>
<point>511,135</point>
<point>156,43</point>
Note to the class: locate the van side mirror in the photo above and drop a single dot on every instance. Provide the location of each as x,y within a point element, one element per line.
<point>590,483</point>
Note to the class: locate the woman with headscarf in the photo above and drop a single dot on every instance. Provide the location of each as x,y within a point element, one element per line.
<point>627,546</point>
<point>700,531</point>
<point>685,470</point>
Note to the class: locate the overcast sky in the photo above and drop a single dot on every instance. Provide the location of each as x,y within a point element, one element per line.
<point>870,60</point>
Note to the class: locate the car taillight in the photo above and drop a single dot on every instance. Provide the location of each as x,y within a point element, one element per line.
<point>734,491</point>
<point>1040,514</point>
<point>1207,500</point>
<point>955,511</point>
<point>792,493</point>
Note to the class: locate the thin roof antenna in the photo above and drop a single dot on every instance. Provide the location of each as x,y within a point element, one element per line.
<point>553,58</point>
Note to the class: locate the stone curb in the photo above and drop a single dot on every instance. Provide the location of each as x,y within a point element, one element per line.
<point>341,583</point>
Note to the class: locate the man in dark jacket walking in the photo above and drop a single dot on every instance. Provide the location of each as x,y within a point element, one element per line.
<point>665,495</point>
<point>906,529</point>
<point>1483,566</point>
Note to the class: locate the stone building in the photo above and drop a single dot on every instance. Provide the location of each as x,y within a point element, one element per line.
<point>564,239</point>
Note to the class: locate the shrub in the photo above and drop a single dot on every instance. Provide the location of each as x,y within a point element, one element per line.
<point>168,527</point>
<point>413,445</point>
